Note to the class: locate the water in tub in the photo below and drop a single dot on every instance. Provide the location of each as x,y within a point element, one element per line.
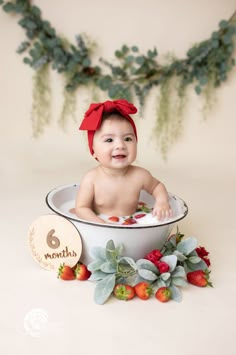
<point>143,214</point>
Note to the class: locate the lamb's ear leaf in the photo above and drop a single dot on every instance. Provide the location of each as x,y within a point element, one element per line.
<point>176,294</point>
<point>171,260</point>
<point>98,253</point>
<point>146,264</point>
<point>187,246</point>
<point>110,245</point>
<point>147,274</point>
<point>104,289</point>
<point>97,275</point>
<point>95,265</point>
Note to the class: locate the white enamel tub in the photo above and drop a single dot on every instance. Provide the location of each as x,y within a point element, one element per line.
<point>138,239</point>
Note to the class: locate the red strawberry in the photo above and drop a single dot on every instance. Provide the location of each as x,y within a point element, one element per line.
<point>114,219</point>
<point>163,294</point>
<point>141,203</point>
<point>162,266</point>
<point>81,272</point>
<point>199,278</point>
<point>140,215</point>
<point>143,290</point>
<point>129,221</point>
<point>65,272</point>
<point>124,292</point>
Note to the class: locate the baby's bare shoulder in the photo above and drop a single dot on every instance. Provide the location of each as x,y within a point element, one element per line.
<point>140,171</point>
<point>90,176</point>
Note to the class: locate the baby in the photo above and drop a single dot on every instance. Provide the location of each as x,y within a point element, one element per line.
<point>113,187</point>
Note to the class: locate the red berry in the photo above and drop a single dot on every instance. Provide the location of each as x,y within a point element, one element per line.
<point>124,292</point>
<point>65,272</point>
<point>81,272</point>
<point>163,294</point>
<point>199,278</point>
<point>143,290</point>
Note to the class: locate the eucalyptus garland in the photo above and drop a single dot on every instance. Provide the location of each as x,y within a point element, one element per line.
<point>206,66</point>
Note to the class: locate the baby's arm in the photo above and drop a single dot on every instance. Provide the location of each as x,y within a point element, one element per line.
<point>161,207</point>
<point>84,201</point>
<point>158,190</point>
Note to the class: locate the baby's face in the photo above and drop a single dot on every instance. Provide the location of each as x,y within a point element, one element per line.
<point>115,144</point>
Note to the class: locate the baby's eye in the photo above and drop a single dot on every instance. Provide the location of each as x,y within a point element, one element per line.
<point>109,140</point>
<point>128,139</point>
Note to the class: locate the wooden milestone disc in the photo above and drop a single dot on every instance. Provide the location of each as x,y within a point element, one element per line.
<point>54,240</point>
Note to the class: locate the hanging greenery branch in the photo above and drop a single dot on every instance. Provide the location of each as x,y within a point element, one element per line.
<point>206,66</point>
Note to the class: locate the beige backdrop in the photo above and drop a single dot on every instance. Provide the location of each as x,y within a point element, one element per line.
<point>200,168</point>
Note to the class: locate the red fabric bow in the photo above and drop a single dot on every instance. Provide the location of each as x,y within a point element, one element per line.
<point>93,116</point>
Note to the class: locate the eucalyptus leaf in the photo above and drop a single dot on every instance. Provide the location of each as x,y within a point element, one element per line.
<point>187,246</point>
<point>104,289</point>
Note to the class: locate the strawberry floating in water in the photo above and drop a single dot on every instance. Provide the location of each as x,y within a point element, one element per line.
<point>129,221</point>
<point>114,219</point>
<point>140,215</point>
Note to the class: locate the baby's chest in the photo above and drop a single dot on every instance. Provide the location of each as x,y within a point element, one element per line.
<point>116,191</point>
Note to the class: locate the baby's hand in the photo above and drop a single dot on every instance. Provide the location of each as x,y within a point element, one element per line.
<point>162,210</point>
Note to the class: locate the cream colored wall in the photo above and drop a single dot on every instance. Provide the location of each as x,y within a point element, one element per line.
<point>206,148</point>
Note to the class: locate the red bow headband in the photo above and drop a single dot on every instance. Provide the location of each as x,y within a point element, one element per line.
<point>93,117</point>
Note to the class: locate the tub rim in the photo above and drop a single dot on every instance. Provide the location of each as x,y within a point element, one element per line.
<point>119,226</point>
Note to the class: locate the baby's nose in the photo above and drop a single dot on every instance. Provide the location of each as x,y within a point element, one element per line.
<point>120,144</point>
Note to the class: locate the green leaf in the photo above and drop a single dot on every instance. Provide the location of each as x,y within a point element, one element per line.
<point>35,11</point>
<point>171,260</point>
<point>110,245</point>
<point>108,267</point>
<point>187,246</point>
<point>134,49</point>
<point>158,284</point>
<point>165,276</point>
<point>140,60</point>
<point>97,275</point>
<point>8,7</point>
<point>223,24</point>
<point>194,259</point>
<point>104,289</point>
<point>146,264</point>
<point>176,294</point>
<point>147,275</point>
<point>199,266</point>
<point>97,253</point>
<point>178,281</point>
<point>180,256</point>
<point>129,261</point>
<point>118,54</point>
<point>178,272</point>
<point>95,265</point>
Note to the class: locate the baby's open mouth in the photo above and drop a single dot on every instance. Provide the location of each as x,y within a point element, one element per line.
<point>119,156</point>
